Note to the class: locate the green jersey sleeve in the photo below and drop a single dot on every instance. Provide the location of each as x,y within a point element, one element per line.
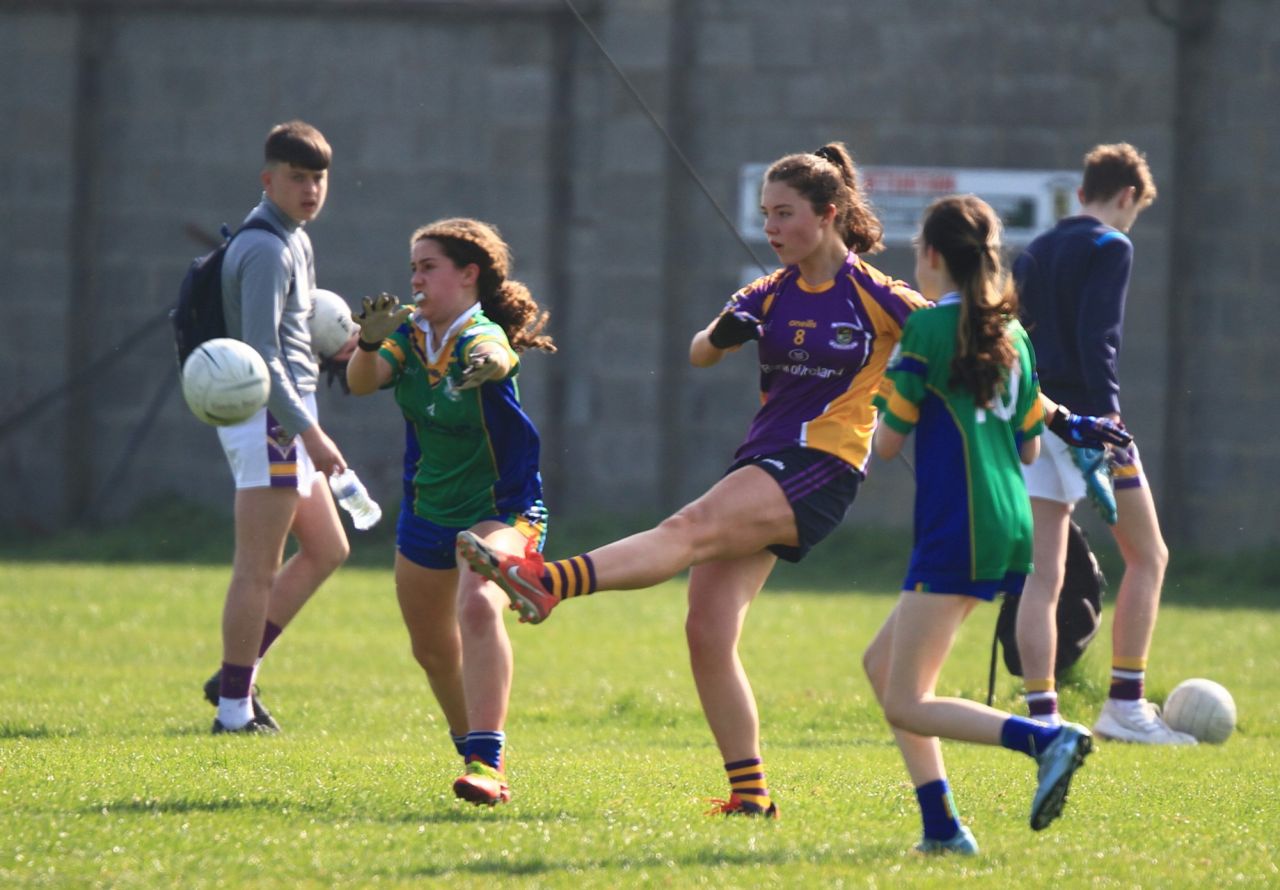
<point>903,387</point>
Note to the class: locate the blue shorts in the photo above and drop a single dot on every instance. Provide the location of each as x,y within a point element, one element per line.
<point>819,486</point>
<point>431,546</point>
<point>941,582</point>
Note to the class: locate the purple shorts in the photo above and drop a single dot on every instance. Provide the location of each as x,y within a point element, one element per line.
<point>819,486</point>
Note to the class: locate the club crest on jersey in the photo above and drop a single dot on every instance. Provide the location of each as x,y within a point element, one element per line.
<point>846,336</point>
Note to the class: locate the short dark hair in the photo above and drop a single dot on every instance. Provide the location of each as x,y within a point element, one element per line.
<point>1110,168</point>
<point>300,144</point>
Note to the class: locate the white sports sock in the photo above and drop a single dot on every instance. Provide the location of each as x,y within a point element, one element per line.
<point>234,713</point>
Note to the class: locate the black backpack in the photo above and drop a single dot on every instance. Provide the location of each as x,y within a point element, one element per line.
<point>198,316</point>
<point>1079,611</point>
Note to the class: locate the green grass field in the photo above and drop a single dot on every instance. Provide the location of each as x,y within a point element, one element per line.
<point>108,776</point>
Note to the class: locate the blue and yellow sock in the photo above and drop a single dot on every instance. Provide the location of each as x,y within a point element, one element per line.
<point>1028,736</point>
<point>1128,678</point>
<point>485,745</point>
<point>747,780</point>
<point>938,810</point>
<point>572,577</point>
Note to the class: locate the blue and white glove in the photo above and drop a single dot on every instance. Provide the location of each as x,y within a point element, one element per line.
<point>1086,431</point>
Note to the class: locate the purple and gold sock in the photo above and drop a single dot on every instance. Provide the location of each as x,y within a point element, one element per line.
<point>747,781</point>
<point>572,577</point>
<point>1127,678</point>
<point>1041,698</point>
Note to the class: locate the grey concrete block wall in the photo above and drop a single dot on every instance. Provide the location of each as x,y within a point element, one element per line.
<point>441,109</point>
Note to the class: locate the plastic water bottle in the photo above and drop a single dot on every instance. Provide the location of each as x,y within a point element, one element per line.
<point>353,497</point>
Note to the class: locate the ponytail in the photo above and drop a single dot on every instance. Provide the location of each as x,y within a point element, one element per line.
<point>966,232</point>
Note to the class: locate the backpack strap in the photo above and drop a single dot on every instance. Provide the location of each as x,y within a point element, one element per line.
<point>257,223</point>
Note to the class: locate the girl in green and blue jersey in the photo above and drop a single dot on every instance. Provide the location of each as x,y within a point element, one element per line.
<point>963,379</point>
<point>471,464</point>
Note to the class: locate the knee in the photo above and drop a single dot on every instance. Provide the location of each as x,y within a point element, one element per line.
<point>706,634</point>
<point>328,560</point>
<point>1156,558</point>
<point>900,711</point>
<point>477,613</point>
<point>436,658</point>
<point>340,553</point>
<point>689,525</point>
<point>875,664</point>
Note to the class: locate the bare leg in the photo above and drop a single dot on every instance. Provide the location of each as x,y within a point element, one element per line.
<point>322,549</point>
<point>428,600</point>
<point>1137,533</point>
<point>741,515</point>
<point>1037,630</point>
<point>487,664</point>
<point>922,754</point>
<point>924,628</point>
<point>263,517</point>
<point>719,595</point>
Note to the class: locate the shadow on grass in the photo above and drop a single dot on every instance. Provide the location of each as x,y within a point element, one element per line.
<point>325,810</point>
<point>862,558</point>
<point>657,863</point>
<point>15,731</point>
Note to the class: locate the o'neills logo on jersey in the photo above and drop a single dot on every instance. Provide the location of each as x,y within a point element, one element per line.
<point>847,336</point>
<point>802,323</point>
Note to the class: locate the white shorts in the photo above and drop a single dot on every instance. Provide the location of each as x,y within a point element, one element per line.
<point>262,455</point>
<point>1054,476</point>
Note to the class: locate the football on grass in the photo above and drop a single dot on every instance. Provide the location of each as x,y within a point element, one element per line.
<point>1203,708</point>
<point>225,381</point>
<point>330,322</point>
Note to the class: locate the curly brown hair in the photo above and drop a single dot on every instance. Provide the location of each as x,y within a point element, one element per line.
<point>1110,168</point>
<point>966,232</point>
<point>829,176</point>
<point>505,302</point>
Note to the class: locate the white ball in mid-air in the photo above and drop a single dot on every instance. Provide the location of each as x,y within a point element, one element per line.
<point>330,322</point>
<point>1203,708</point>
<point>225,381</point>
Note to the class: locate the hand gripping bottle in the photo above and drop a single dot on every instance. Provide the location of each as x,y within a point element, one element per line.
<point>353,497</point>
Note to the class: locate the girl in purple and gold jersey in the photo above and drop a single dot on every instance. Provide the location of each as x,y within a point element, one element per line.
<point>827,323</point>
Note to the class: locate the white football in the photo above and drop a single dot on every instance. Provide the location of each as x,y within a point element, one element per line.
<point>1203,708</point>
<point>330,322</point>
<point>225,381</point>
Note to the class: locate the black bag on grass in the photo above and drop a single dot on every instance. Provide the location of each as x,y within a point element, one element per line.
<point>1079,608</point>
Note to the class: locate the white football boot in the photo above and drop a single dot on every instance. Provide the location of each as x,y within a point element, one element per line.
<point>1137,721</point>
